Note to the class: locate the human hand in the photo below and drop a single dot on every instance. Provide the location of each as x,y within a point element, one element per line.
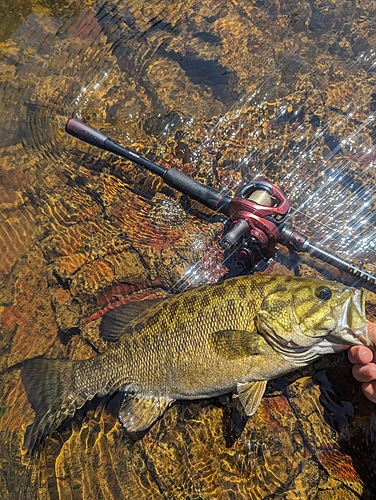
<point>364,369</point>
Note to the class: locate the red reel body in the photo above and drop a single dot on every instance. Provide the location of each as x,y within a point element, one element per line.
<point>263,207</point>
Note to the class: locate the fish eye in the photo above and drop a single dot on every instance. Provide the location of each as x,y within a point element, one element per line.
<point>323,292</point>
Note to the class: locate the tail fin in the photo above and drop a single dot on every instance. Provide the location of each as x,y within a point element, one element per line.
<point>50,389</point>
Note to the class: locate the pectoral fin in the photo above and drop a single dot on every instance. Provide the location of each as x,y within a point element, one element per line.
<point>235,344</point>
<point>137,413</point>
<point>250,395</point>
<point>116,321</point>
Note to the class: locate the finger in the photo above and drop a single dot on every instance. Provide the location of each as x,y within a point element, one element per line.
<point>360,354</point>
<point>364,373</point>
<point>369,390</point>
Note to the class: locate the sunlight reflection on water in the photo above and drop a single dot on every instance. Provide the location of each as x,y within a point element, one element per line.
<point>224,91</point>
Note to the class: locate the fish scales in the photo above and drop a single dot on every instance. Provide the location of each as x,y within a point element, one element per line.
<point>204,342</point>
<point>183,344</point>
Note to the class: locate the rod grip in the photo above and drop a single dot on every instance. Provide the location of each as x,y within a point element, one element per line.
<point>239,230</point>
<point>206,195</point>
<point>84,132</point>
<point>92,136</point>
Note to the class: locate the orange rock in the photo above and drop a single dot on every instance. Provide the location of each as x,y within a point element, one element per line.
<point>92,278</point>
<point>340,466</point>
<point>70,263</point>
<point>61,295</point>
<point>31,312</point>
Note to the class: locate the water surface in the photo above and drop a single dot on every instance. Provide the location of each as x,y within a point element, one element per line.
<point>223,91</point>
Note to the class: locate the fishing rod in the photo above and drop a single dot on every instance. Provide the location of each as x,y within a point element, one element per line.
<point>256,213</point>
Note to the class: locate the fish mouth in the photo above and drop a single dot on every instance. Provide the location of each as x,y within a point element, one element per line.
<point>352,336</point>
<point>352,312</point>
<point>363,335</point>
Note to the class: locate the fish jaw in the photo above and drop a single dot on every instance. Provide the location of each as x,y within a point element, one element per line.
<point>352,326</point>
<point>351,336</point>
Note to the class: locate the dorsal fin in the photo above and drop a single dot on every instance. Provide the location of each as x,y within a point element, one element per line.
<point>115,323</point>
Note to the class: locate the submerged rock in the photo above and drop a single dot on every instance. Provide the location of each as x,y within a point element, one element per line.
<point>82,232</point>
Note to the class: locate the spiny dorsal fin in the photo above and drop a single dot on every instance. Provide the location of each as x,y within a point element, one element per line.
<point>137,413</point>
<point>234,344</point>
<point>250,395</point>
<point>115,322</point>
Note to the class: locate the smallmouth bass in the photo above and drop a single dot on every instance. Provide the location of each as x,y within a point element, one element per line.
<point>204,342</point>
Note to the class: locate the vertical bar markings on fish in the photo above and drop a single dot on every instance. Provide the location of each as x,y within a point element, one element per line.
<point>207,341</point>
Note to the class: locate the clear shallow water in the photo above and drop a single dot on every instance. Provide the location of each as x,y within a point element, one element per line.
<point>223,91</point>
<point>110,64</point>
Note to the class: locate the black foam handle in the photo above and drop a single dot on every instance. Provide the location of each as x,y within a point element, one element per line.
<point>206,195</point>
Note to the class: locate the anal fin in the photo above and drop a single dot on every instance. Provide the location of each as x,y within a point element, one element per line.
<point>250,395</point>
<point>137,413</point>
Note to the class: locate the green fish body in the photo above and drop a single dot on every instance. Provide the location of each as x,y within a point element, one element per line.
<point>205,342</point>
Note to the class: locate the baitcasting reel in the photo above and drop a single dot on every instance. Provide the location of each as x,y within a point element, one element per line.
<point>256,214</point>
